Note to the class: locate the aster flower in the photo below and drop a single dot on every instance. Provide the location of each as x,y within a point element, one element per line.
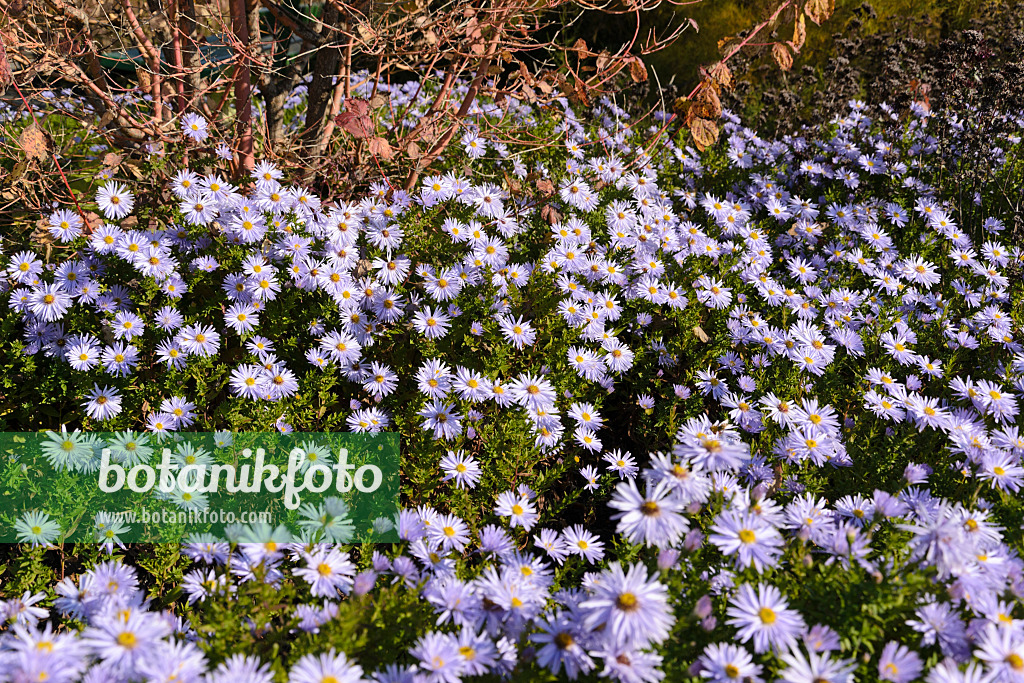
<point>462,468</point>
<point>723,662</point>
<point>439,658</point>
<point>328,666</point>
<point>812,667</point>
<point>114,200</point>
<point>194,127</point>
<point>36,527</point>
<point>329,572</point>
<point>102,404</point>
<point>517,508</point>
<point>558,640</point>
<point>751,538</point>
<point>764,616</point>
<point>899,664</point>
<point>653,519</point>
<point>579,541</point>
<point>633,609</point>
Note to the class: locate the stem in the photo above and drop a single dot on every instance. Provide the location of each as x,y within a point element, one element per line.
<point>243,87</point>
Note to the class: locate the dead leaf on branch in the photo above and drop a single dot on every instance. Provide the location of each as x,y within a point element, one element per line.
<point>706,104</point>
<point>720,75</point>
<point>704,132</point>
<point>35,141</point>
<point>819,10</point>
<point>355,120</point>
<point>379,147</point>
<point>782,56</point>
<point>550,214</point>
<point>6,76</point>
<point>637,70</point>
<point>799,33</point>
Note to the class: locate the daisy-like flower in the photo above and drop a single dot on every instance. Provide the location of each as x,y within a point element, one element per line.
<point>532,391</point>
<point>764,616</point>
<point>381,380</point>
<point>115,201</point>
<point>65,225</point>
<point>449,532</point>
<point>108,532</point>
<point>462,468</point>
<point>518,332</point>
<point>652,519</point>
<point>591,475</point>
<point>37,528</point>
<point>199,339</point>
<point>327,667</point>
<point>67,450</point>
<point>442,419</point>
<point>120,359</point>
<point>517,508</point>
<point>241,317</point>
<point>623,464</point>
<point>249,381</point>
<point>749,537</point>
<point>194,127</point>
<point>1002,651</point>
<point>329,572</point>
<point>126,641</point>
<point>439,659</point>
<point>431,323</point>
<point>239,667</point>
<point>579,541</point>
<point>102,403</point>
<point>815,667</point>
<point>724,662</point>
<point>49,302</point>
<point>558,640</point>
<point>633,610</point>
<point>127,325</point>
<point>24,267</point>
<point>899,664</point>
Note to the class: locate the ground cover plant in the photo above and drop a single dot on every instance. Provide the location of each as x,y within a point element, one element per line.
<point>744,412</point>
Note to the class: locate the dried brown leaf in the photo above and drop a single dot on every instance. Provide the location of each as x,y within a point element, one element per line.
<point>550,214</point>
<point>819,10</point>
<point>706,104</point>
<point>379,147</point>
<point>637,70</point>
<point>413,151</point>
<point>721,75</point>
<point>704,132</point>
<point>799,33</point>
<point>35,141</point>
<point>783,56</point>
<point>6,77</point>
<point>355,120</point>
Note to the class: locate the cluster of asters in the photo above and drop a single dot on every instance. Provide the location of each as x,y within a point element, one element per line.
<point>805,264</point>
